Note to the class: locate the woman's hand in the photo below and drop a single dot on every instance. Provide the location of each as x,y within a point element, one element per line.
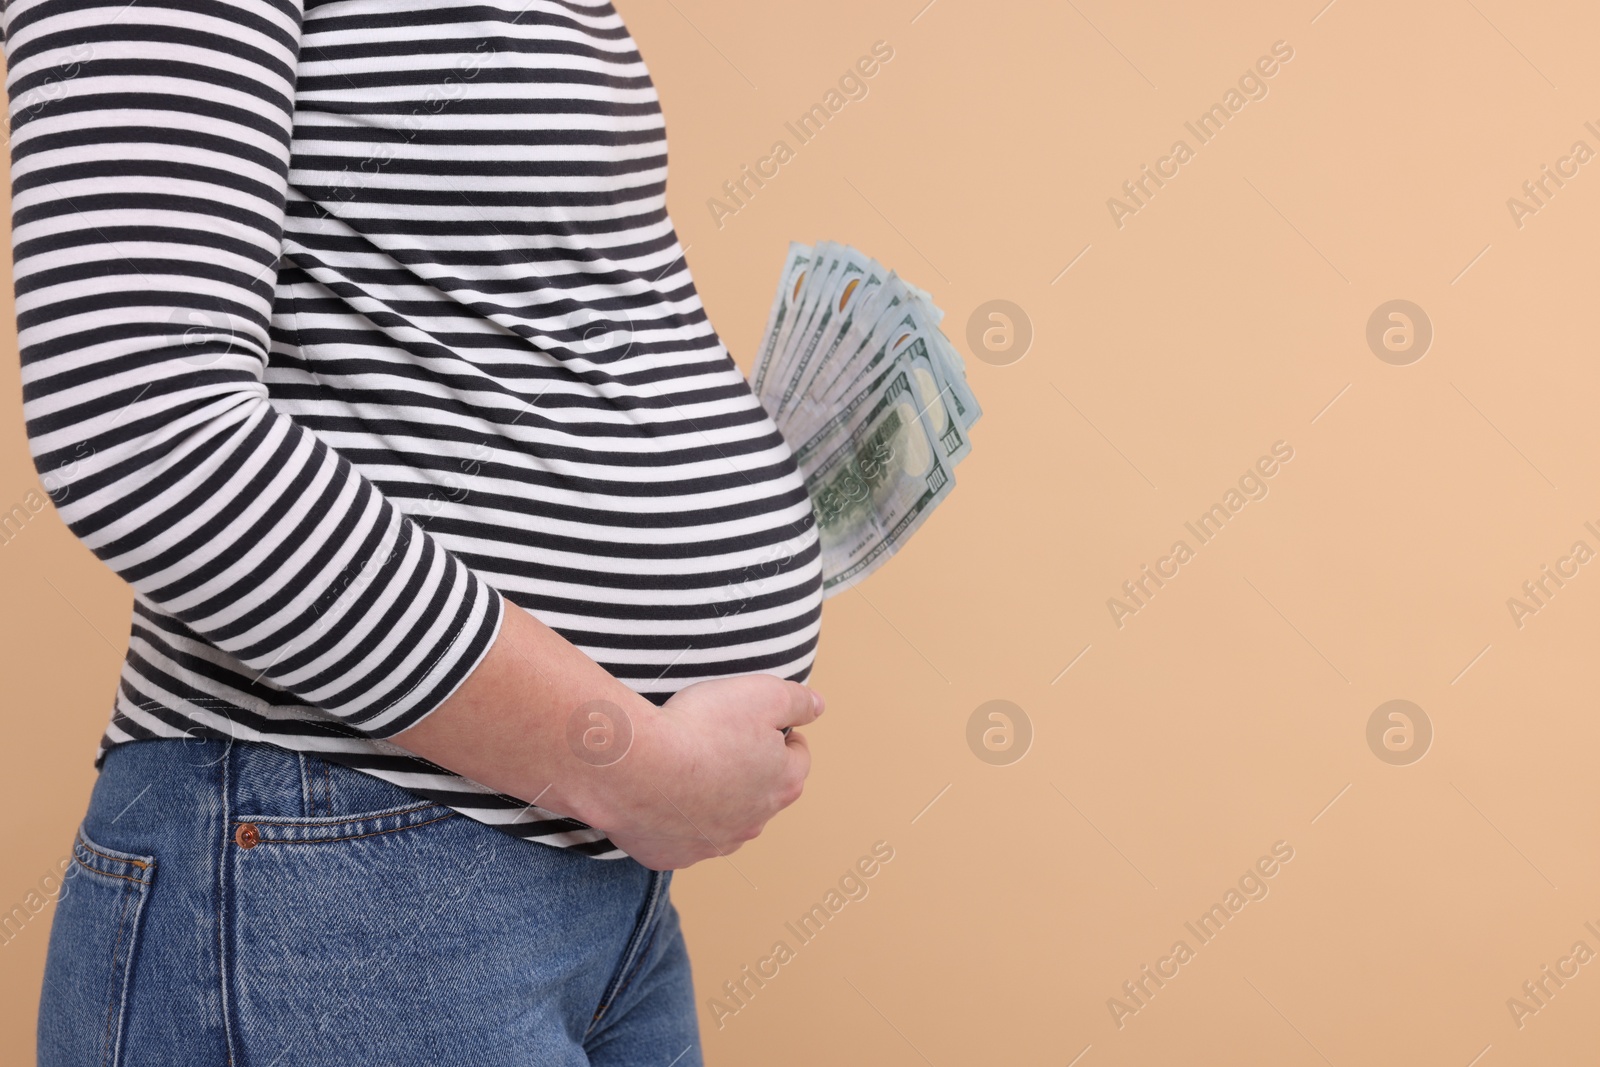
<point>707,770</point>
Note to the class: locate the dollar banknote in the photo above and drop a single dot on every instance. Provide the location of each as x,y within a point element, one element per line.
<point>872,398</point>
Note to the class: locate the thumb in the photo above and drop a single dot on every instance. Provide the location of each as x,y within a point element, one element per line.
<point>798,706</point>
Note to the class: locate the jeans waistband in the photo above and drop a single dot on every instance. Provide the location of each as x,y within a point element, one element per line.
<point>260,778</point>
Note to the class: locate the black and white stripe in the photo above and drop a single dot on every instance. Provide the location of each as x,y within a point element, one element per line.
<point>337,321</point>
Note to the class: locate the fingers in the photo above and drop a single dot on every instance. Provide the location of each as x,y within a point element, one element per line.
<point>796,770</point>
<point>678,853</point>
<point>801,705</point>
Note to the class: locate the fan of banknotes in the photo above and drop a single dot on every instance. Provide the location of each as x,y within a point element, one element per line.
<point>871,397</point>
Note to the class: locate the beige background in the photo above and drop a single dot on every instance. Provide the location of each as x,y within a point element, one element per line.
<point>1231,712</point>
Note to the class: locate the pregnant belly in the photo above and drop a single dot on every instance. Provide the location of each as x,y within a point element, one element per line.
<point>663,579</point>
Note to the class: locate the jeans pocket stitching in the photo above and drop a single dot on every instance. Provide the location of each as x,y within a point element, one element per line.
<point>117,861</point>
<point>107,1043</point>
<point>345,827</point>
<point>105,862</point>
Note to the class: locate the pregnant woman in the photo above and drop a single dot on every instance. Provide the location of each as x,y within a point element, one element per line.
<point>473,589</point>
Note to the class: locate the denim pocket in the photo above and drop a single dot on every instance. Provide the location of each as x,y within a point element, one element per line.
<point>93,939</point>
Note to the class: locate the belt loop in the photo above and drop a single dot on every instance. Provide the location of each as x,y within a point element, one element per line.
<point>308,799</point>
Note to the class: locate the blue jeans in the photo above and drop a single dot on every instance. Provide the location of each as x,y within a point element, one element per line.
<point>237,903</point>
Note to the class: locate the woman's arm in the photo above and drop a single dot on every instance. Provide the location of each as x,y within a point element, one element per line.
<point>150,146</point>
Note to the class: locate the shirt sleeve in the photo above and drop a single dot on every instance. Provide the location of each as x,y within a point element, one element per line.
<point>149,152</point>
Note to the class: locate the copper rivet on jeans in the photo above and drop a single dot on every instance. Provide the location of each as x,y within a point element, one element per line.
<point>247,836</point>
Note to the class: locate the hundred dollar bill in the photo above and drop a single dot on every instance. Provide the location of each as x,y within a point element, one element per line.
<point>878,483</point>
<point>794,268</point>
<point>955,393</point>
<point>834,265</point>
<point>870,346</point>
<point>934,393</point>
<point>881,342</point>
<point>827,258</point>
<point>915,362</point>
<point>834,314</point>
<point>904,315</point>
<point>964,401</point>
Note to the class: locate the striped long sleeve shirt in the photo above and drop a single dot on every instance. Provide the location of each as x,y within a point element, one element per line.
<point>348,326</point>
